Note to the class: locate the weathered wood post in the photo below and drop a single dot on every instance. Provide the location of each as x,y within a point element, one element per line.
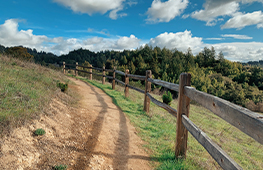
<point>147,90</point>
<point>64,67</point>
<point>182,109</point>
<point>126,83</point>
<point>113,80</point>
<point>76,71</point>
<point>103,77</point>
<point>90,75</point>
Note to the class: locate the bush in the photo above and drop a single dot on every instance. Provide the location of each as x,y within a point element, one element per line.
<point>63,86</point>
<point>167,98</point>
<point>40,132</point>
<point>60,167</point>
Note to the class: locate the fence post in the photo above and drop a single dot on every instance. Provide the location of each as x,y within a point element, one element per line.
<point>64,71</point>
<point>182,109</point>
<point>147,90</point>
<point>90,70</point>
<point>76,71</point>
<point>103,77</point>
<point>113,80</point>
<point>126,83</point>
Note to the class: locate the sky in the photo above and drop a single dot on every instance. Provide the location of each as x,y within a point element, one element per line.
<point>234,27</point>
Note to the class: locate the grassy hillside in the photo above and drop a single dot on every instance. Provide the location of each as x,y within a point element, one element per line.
<point>158,129</point>
<point>25,88</point>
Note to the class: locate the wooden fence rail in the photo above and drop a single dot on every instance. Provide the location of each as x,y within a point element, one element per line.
<point>247,121</point>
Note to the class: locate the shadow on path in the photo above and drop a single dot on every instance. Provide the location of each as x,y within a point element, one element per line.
<point>92,140</point>
<point>121,152</point>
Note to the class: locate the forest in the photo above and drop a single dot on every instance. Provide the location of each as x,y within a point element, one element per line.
<point>240,83</point>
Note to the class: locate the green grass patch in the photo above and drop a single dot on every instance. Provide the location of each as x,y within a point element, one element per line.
<point>40,132</point>
<point>60,167</point>
<point>63,86</point>
<point>158,129</point>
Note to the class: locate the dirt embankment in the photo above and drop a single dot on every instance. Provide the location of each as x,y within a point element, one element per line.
<point>95,134</point>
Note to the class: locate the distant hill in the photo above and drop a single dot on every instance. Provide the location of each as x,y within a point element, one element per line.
<point>211,72</point>
<point>255,63</point>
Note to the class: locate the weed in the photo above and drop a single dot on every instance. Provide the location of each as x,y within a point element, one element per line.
<point>167,98</point>
<point>40,132</point>
<point>62,86</point>
<point>60,167</point>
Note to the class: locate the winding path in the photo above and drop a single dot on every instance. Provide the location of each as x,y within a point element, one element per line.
<point>112,142</point>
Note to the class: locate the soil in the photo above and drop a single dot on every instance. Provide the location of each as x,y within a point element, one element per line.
<point>93,134</point>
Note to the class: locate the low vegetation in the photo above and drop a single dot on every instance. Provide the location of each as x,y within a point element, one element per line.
<point>60,167</point>
<point>25,89</point>
<point>167,98</point>
<point>63,86</point>
<point>40,132</point>
<point>158,129</point>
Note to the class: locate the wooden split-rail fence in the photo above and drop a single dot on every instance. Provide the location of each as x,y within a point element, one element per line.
<point>245,120</point>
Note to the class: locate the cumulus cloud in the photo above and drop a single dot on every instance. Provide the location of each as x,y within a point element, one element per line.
<point>126,43</point>
<point>241,20</point>
<point>93,40</point>
<point>165,11</point>
<point>10,35</point>
<point>237,36</point>
<point>214,9</point>
<point>94,6</point>
<point>180,40</point>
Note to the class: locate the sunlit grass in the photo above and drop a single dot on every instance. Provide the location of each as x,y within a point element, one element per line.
<point>25,88</point>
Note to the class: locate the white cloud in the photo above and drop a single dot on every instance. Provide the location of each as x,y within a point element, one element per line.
<point>241,20</point>
<point>251,1</point>
<point>126,43</point>
<point>214,9</point>
<point>63,46</point>
<point>94,6</point>
<point>93,40</point>
<point>102,32</point>
<point>237,51</point>
<point>249,51</point>
<point>165,11</point>
<point>237,36</point>
<point>214,39</point>
<point>260,26</point>
<point>10,35</point>
<point>113,14</point>
<point>180,40</point>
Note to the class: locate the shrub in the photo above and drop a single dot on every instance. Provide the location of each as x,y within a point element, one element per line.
<point>40,132</point>
<point>63,86</point>
<point>167,98</point>
<point>60,167</point>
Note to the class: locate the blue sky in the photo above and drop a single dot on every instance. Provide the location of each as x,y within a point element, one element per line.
<point>234,27</point>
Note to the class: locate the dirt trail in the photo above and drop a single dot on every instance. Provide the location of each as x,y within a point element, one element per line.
<point>93,135</point>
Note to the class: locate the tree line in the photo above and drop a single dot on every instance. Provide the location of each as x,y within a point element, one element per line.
<point>236,82</point>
